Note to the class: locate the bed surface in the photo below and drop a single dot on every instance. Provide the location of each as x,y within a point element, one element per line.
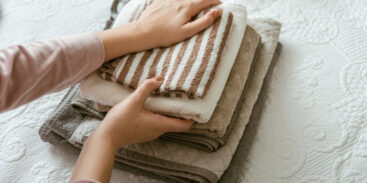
<point>310,124</point>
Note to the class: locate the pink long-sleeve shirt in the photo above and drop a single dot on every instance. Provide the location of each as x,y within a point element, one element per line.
<point>32,70</point>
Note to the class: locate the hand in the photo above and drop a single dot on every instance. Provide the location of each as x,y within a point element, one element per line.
<point>169,21</point>
<point>162,23</point>
<point>126,123</point>
<point>129,122</point>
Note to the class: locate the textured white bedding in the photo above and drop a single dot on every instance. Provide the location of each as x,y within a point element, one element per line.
<point>309,126</point>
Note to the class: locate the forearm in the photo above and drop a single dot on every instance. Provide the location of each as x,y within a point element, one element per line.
<point>32,70</point>
<point>125,39</point>
<point>96,159</point>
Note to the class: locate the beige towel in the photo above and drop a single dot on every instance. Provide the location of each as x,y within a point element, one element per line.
<point>188,67</point>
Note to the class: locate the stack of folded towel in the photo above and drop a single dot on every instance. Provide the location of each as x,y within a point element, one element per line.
<point>213,78</point>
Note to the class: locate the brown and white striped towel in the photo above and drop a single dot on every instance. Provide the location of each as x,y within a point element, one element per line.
<point>188,67</point>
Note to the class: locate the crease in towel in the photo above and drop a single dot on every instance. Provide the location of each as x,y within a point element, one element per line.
<point>188,67</point>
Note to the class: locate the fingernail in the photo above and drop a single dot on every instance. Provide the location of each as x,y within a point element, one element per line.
<point>219,12</point>
<point>159,78</point>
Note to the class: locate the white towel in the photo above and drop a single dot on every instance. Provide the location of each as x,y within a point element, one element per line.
<point>110,93</point>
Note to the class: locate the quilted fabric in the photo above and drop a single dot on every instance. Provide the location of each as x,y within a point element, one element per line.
<point>310,125</point>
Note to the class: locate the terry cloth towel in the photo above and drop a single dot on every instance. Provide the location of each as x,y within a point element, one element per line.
<point>200,109</point>
<point>207,136</point>
<point>163,159</point>
<point>188,67</point>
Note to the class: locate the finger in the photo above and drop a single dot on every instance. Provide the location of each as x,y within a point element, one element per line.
<point>197,6</point>
<point>143,92</point>
<point>201,23</point>
<point>174,124</point>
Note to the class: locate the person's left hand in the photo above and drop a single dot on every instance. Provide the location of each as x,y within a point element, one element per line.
<point>170,21</point>
<point>129,122</point>
<point>161,24</point>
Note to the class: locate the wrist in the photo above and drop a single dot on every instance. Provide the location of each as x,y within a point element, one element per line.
<point>107,136</point>
<point>96,159</point>
<point>146,35</point>
<point>125,39</point>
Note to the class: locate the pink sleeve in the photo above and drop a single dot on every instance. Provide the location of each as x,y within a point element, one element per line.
<point>32,70</point>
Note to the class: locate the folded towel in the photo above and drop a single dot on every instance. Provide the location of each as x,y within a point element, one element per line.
<point>170,161</point>
<point>200,109</point>
<point>189,66</point>
<point>207,136</point>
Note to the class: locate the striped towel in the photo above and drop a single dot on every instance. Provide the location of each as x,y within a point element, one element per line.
<point>188,67</point>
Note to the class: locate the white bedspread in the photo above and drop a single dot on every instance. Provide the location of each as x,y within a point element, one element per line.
<point>310,125</point>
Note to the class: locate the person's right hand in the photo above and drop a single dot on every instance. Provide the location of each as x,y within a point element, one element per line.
<point>129,122</point>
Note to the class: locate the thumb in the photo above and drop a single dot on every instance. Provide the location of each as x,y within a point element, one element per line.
<point>143,92</point>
